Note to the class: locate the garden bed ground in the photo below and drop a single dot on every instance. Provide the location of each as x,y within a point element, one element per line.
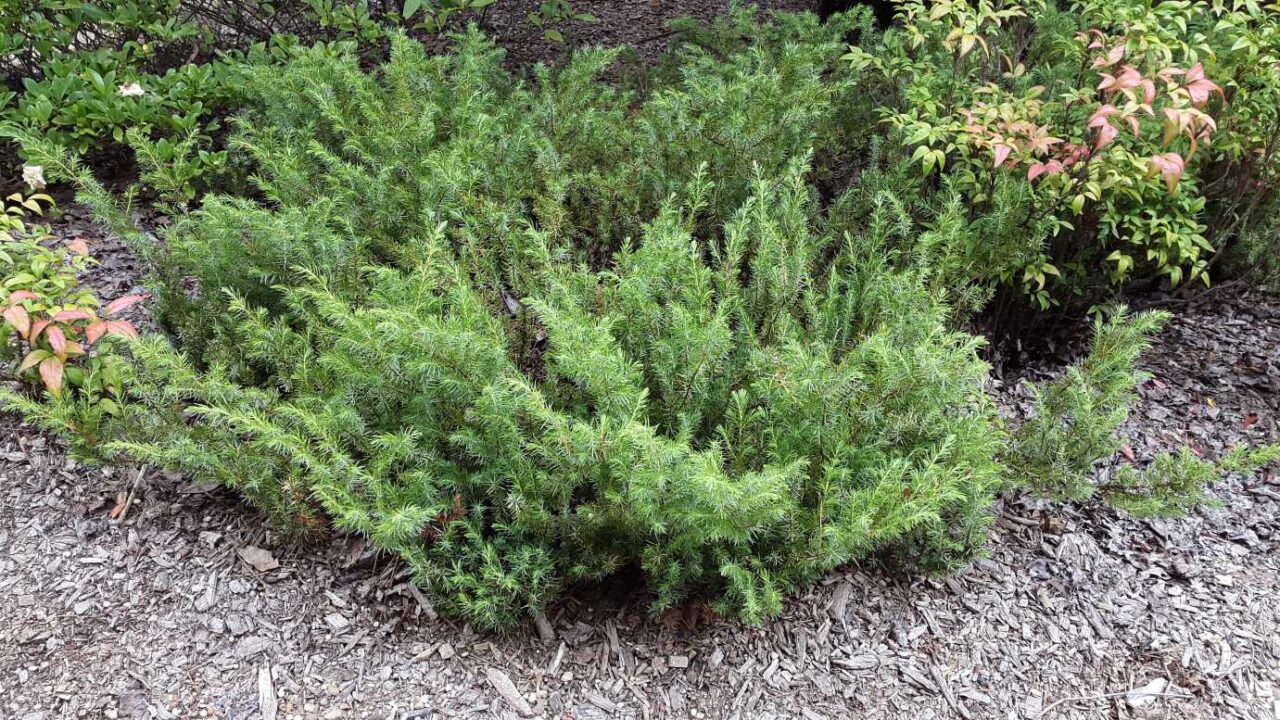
<point>185,606</point>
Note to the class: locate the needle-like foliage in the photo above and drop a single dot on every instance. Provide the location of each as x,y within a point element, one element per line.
<point>529,334</point>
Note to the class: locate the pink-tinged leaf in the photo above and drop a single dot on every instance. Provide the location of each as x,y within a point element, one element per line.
<point>1128,79</point>
<point>1127,451</point>
<point>1133,123</point>
<point>1117,52</point>
<point>79,247</point>
<point>74,349</point>
<point>36,329</point>
<point>1198,87</point>
<point>1169,73</point>
<point>22,295</point>
<point>1106,133</point>
<point>18,317</point>
<point>1074,153</point>
<point>121,303</point>
<point>1113,56</point>
<point>70,315</point>
<point>121,327</point>
<point>1097,35</point>
<point>1249,420</point>
<point>51,374</point>
<point>1148,93</point>
<point>1002,153</point>
<point>1099,116</point>
<point>95,330</point>
<point>57,341</point>
<point>1170,166</point>
<point>1053,167</point>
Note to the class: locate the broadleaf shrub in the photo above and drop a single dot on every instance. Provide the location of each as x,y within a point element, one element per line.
<point>1128,140</point>
<point>57,334</point>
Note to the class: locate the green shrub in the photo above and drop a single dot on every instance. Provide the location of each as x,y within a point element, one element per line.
<point>434,335</point>
<point>529,332</point>
<point>1076,415</point>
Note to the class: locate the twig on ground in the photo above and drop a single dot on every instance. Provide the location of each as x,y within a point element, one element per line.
<point>133,491</point>
<point>1122,693</point>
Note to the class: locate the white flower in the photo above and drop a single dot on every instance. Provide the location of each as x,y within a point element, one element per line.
<point>130,90</point>
<point>33,175</point>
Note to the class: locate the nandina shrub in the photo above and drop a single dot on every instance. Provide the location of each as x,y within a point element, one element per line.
<point>526,334</point>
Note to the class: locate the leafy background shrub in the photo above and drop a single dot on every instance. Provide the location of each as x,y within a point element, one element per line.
<point>1082,144</point>
<point>528,330</point>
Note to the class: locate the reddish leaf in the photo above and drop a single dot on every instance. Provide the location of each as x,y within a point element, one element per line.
<point>1002,153</point>
<point>1053,167</point>
<point>121,303</point>
<point>36,329</point>
<point>51,374</point>
<point>1127,451</point>
<point>22,295</point>
<point>1198,87</point>
<point>121,327</point>
<point>79,247</point>
<point>1113,56</point>
<point>1170,166</point>
<point>19,319</point>
<point>57,341</point>
<point>69,315</point>
<point>1099,116</point>
<point>1128,79</point>
<point>95,330</point>
<point>1106,133</point>
<point>1133,123</point>
<point>1250,420</point>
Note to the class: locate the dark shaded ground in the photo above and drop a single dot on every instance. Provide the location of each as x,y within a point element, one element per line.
<point>638,24</point>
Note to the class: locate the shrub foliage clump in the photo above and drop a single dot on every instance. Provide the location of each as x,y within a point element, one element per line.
<point>530,333</point>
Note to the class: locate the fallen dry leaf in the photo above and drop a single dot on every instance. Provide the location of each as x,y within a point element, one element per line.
<point>1250,420</point>
<point>261,560</point>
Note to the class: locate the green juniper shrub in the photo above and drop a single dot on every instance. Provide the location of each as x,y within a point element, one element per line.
<point>430,335</point>
<point>1174,484</point>
<point>527,332</point>
<point>1075,416</point>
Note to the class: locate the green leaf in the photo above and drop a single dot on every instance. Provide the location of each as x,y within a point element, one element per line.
<point>411,7</point>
